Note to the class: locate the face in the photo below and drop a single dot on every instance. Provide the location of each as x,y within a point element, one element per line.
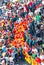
<point>22,10</point>
<point>33,47</point>
<point>19,14</point>
<point>14,14</point>
<point>4,41</point>
<point>0,36</point>
<point>0,43</point>
<point>41,53</point>
<point>7,27</point>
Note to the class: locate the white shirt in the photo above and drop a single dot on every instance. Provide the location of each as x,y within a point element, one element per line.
<point>41,57</point>
<point>38,10</point>
<point>1,40</point>
<point>30,13</point>
<point>43,2</point>
<point>4,6</point>
<point>13,1</point>
<point>42,63</point>
<point>35,51</point>
<point>11,59</point>
<point>5,0</point>
<point>19,20</point>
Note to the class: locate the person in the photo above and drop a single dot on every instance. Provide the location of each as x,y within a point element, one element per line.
<point>41,56</point>
<point>21,53</point>
<point>42,63</point>
<point>22,30</point>
<point>11,60</point>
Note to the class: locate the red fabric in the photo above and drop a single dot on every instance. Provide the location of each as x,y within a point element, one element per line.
<point>8,5</point>
<point>10,50</point>
<point>30,4</point>
<point>38,60</point>
<point>26,8</point>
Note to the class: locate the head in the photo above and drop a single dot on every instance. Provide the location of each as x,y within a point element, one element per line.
<point>41,53</point>
<point>33,47</point>
<point>22,10</point>
<point>0,43</point>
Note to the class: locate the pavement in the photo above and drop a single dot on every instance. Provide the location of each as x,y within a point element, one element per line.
<point>21,63</point>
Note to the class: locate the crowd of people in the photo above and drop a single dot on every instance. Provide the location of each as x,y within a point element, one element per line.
<point>21,30</point>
